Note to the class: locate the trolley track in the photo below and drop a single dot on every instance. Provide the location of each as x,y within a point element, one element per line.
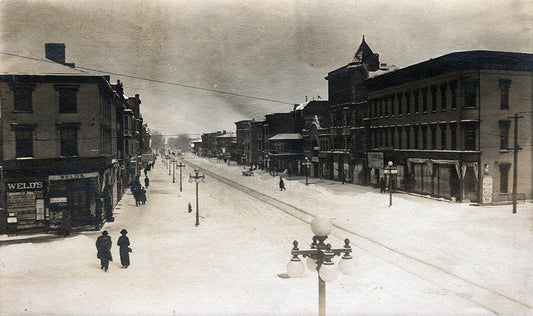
<point>478,294</point>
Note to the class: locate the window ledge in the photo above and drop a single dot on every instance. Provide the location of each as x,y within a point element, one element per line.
<point>504,151</point>
<point>18,111</point>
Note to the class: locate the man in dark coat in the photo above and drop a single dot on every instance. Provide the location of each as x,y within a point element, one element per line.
<point>146,182</point>
<point>103,246</point>
<point>281,184</point>
<point>124,243</point>
<point>142,196</point>
<point>66,222</point>
<point>382,185</point>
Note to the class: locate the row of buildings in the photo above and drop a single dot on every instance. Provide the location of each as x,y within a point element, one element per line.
<point>70,143</point>
<point>447,125</point>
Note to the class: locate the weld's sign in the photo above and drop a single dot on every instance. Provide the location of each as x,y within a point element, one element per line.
<point>147,157</point>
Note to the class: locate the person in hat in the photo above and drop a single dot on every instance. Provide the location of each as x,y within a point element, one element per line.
<point>124,243</point>
<point>103,246</point>
<point>281,184</point>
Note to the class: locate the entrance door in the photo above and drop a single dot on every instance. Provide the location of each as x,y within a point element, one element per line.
<point>77,204</point>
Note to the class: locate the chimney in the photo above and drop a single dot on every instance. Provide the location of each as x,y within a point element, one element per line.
<point>55,52</point>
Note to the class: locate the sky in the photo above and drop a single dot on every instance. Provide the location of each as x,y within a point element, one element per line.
<point>266,54</point>
<point>419,256</point>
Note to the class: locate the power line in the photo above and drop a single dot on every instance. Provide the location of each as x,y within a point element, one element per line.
<point>84,69</point>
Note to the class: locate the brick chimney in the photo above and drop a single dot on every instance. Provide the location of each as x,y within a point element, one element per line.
<point>56,52</point>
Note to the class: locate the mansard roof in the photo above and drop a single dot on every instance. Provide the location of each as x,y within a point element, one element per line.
<point>457,61</point>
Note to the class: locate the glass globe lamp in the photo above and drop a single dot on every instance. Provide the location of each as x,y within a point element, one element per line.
<point>311,264</point>
<point>347,265</point>
<point>295,268</point>
<point>321,226</point>
<point>328,271</point>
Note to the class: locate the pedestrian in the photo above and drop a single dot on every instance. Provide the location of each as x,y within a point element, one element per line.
<point>146,182</point>
<point>103,246</point>
<point>124,249</point>
<point>66,222</point>
<point>281,184</point>
<point>142,196</point>
<point>382,185</point>
<point>145,171</point>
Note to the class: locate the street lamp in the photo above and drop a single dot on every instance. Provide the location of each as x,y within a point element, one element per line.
<point>196,178</point>
<point>319,259</point>
<point>390,169</point>
<point>267,161</point>
<point>307,163</point>
<point>173,170</point>
<point>180,165</point>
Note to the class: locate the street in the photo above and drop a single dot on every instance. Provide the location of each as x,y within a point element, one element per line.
<point>420,256</point>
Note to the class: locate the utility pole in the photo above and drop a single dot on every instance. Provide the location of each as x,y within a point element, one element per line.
<point>516,148</point>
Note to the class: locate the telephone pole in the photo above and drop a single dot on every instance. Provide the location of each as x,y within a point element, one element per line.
<point>516,148</point>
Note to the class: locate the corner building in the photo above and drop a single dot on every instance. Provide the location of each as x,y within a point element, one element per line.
<point>447,125</point>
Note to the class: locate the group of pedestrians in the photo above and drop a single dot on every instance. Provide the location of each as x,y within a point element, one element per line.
<point>103,248</point>
<point>138,191</point>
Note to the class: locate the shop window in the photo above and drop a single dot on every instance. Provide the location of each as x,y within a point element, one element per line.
<point>505,84</point>
<point>67,96</point>
<point>504,134</point>
<point>22,99</point>
<point>504,177</point>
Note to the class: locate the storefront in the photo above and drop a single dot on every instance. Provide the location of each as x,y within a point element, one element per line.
<point>24,203</point>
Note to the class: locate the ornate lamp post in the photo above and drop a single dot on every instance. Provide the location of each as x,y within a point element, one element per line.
<point>196,178</point>
<point>390,169</point>
<point>307,163</point>
<point>319,259</point>
<point>267,161</point>
<point>180,165</point>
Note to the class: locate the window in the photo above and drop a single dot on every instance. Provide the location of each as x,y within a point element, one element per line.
<point>400,103</point>
<point>408,137</point>
<point>22,101</point>
<point>424,137</point>
<point>443,136</point>
<point>469,137</point>
<point>453,88</point>
<point>504,134</point>
<point>416,131</point>
<point>504,93</point>
<point>425,100</point>
<point>453,136</point>
<point>68,135</point>
<point>392,109</point>
<point>433,137</point>
<point>443,97</point>
<point>67,98</point>
<point>470,92</point>
<point>408,102</point>
<point>400,137</point>
<point>105,140</point>
<point>386,106</point>
<point>504,177</point>
<point>416,93</point>
<point>23,139</point>
<point>433,98</point>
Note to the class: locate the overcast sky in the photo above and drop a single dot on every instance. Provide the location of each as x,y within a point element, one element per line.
<point>276,50</point>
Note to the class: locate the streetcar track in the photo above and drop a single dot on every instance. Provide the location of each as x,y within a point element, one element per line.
<point>282,206</point>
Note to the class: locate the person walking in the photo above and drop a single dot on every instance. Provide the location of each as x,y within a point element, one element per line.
<point>281,184</point>
<point>146,182</point>
<point>124,249</point>
<point>142,196</point>
<point>103,247</point>
<point>66,222</point>
<point>382,185</point>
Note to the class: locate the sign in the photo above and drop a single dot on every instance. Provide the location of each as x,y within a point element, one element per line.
<point>18,186</point>
<point>487,190</point>
<point>375,160</point>
<point>75,176</point>
<point>58,200</point>
<point>39,209</point>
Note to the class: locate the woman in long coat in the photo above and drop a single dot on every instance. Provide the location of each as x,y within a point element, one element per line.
<point>103,246</point>
<point>124,243</point>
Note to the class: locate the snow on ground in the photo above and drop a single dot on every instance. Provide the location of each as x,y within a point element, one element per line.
<point>234,263</point>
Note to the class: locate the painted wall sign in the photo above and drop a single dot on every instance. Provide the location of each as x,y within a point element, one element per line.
<point>17,186</point>
<point>375,160</point>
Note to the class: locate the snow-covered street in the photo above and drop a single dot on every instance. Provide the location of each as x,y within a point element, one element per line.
<point>420,256</point>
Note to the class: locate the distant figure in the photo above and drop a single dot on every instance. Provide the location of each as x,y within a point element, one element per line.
<point>146,182</point>
<point>382,185</point>
<point>281,184</point>
<point>66,222</point>
<point>124,249</point>
<point>145,171</point>
<point>142,196</point>
<point>103,246</point>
